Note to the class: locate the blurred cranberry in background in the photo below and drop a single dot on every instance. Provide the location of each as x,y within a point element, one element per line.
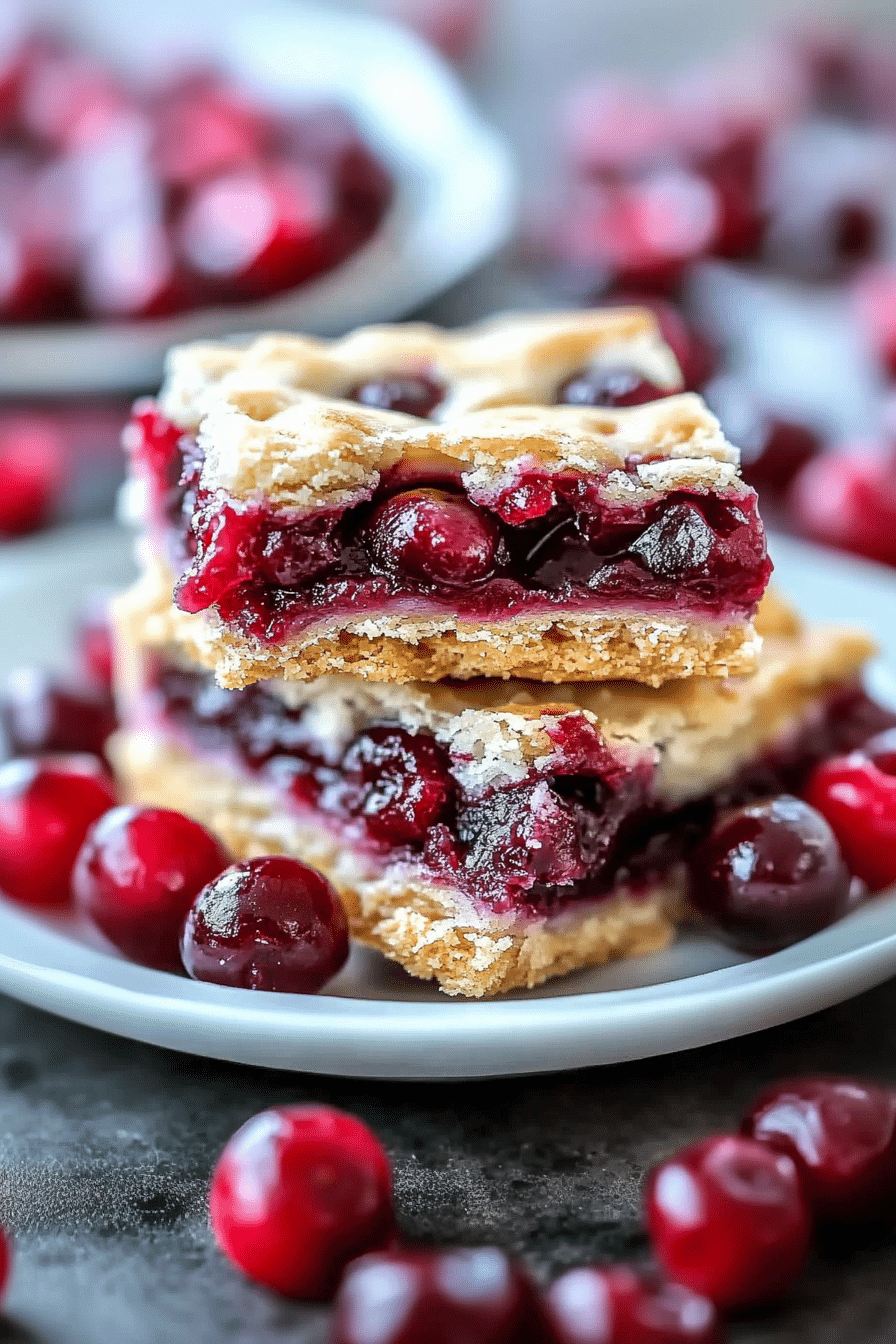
<point>773,450</point>
<point>201,128</point>
<point>453,27</point>
<point>32,471</point>
<point>130,270</point>
<point>697,358</point>
<point>847,499</point>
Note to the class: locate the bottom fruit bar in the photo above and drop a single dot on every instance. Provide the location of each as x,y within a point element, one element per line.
<point>487,834</point>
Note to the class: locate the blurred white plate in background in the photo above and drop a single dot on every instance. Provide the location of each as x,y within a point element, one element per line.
<point>454,198</point>
<point>373,1020</point>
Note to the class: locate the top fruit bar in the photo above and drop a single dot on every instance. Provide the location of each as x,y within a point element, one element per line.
<point>533,497</point>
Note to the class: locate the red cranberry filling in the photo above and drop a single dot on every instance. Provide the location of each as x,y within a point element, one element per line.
<point>412,394</point>
<point>544,542</point>
<point>609,387</point>
<point>297,1193</point>
<point>574,832</point>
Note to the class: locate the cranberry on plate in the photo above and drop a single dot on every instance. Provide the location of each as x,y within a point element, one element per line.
<point>619,1305</point>
<point>847,499</point>
<point>769,874</point>
<point>42,713</point>
<point>32,470</point>
<point>137,875</point>
<point>46,809</point>
<point>269,923</point>
<point>841,1133</point>
<point>297,1193</point>
<point>857,796</point>
<point>477,1295</point>
<point>728,1219</point>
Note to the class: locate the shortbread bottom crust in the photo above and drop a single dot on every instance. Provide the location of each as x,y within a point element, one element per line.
<point>430,929</point>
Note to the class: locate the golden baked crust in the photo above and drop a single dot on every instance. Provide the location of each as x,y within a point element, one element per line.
<point>420,925</point>
<point>513,359</point>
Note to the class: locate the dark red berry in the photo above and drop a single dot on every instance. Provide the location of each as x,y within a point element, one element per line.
<point>259,230</point>
<point>297,1193</point>
<point>848,500</point>
<point>857,796</point>
<point>841,1133</point>
<point>626,1306</point>
<point>46,809</point>
<point>729,1220</point>
<point>478,1296</point>
<point>42,713</point>
<point>270,923</point>
<point>609,387</point>
<point>137,875</point>
<point>769,874</point>
<point>410,393</point>
<point>433,537</point>
<point>399,783</point>
<point>32,472</point>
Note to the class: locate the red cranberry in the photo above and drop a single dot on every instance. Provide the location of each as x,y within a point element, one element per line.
<point>129,270</point>
<point>261,230</point>
<point>849,501</point>
<point>412,394</point>
<point>32,472</point>
<point>46,808</point>
<point>608,387</point>
<point>137,875</point>
<point>857,796</point>
<point>398,783</point>
<point>769,874</point>
<point>269,923</point>
<point>297,1193</point>
<point>202,129</point>
<point>624,1306</point>
<point>476,1295</point>
<point>41,713</point>
<point>433,537</point>
<point>93,636</point>
<point>69,101</point>
<point>728,1219</point>
<point>841,1133</point>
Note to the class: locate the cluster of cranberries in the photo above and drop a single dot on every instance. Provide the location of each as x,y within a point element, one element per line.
<point>125,202</point>
<point>301,1201</point>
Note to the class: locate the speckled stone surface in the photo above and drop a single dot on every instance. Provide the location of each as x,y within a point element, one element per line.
<point>106,1148</point>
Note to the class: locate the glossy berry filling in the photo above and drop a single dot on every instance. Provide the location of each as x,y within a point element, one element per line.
<point>544,543</point>
<point>573,828</point>
<point>297,1193</point>
<point>841,1133</point>
<point>728,1218</point>
<point>476,1295</point>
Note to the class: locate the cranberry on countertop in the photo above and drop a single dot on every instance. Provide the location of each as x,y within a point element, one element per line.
<point>769,874</point>
<point>137,875</point>
<point>412,394</point>
<point>46,809</point>
<point>433,537</point>
<point>857,796</point>
<point>476,1295</point>
<point>619,1305</point>
<point>269,923</point>
<point>609,387</point>
<point>841,1133</point>
<point>40,712</point>
<point>848,500</point>
<point>297,1193</point>
<point>728,1219</point>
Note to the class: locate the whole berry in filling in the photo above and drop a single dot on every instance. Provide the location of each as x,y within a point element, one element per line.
<point>609,387</point>
<point>475,1295</point>
<point>138,873</point>
<point>297,1193</point>
<point>728,1219</point>
<point>46,809</point>
<point>397,782</point>
<point>270,923</point>
<point>42,713</point>
<point>410,393</point>
<point>620,1305</point>
<point>433,537</point>
<point>769,874</point>
<point>841,1133</point>
<point>857,795</point>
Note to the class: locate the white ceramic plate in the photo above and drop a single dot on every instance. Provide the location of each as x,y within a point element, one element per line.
<point>374,1021</point>
<point>454,199</point>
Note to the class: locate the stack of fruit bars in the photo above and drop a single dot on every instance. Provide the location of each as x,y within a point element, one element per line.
<point>472,622</point>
